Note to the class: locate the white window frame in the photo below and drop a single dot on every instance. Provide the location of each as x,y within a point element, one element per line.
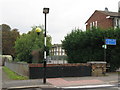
<point>90,26</point>
<point>96,24</point>
<point>93,24</point>
<point>118,22</point>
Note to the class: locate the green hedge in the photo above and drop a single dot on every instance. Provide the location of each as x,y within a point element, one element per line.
<point>82,46</point>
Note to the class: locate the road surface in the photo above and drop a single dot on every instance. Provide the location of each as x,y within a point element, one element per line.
<point>69,89</point>
<point>115,87</point>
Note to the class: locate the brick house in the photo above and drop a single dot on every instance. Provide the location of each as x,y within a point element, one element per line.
<point>103,19</point>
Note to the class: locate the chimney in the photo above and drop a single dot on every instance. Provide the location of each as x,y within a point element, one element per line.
<point>106,9</point>
<point>119,7</point>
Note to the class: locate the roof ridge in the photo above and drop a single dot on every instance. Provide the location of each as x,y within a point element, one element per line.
<point>105,11</point>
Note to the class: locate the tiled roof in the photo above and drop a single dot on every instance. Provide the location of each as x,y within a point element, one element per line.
<point>108,13</point>
<point>114,14</point>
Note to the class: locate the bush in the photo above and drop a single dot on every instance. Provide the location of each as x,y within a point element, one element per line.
<point>82,46</point>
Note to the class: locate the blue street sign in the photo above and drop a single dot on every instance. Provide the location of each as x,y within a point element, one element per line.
<point>110,41</point>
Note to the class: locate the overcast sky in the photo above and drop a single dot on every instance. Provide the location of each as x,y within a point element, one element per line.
<point>64,15</point>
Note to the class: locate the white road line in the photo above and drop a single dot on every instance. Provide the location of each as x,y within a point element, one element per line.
<point>34,86</point>
<point>90,86</point>
<point>117,88</point>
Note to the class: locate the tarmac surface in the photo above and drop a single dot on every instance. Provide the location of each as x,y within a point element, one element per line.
<point>105,88</point>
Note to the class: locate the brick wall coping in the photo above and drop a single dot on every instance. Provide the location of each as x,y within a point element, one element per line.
<point>53,65</point>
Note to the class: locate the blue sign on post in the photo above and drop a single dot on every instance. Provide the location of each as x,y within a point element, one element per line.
<point>110,41</point>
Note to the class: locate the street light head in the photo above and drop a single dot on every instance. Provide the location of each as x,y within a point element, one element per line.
<point>38,30</point>
<point>45,10</point>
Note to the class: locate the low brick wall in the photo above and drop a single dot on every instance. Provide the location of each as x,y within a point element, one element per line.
<point>19,68</point>
<point>60,70</point>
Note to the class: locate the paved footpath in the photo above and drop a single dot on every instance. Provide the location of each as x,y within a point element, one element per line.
<point>59,82</point>
<point>80,81</point>
<point>62,82</point>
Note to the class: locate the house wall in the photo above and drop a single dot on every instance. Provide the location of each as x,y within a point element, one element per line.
<point>102,21</point>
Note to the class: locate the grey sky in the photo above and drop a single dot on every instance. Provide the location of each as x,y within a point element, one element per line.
<point>64,15</point>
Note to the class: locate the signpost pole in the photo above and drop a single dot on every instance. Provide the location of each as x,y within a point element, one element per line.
<point>108,42</point>
<point>105,52</point>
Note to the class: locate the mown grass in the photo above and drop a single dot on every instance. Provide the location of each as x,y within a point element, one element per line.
<point>12,75</point>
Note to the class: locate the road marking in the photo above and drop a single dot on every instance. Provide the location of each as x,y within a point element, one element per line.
<point>117,88</point>
<point>89,86</point>
<point>34,86</point>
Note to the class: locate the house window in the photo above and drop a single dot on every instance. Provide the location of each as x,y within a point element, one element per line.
<point>90,26</point>
<point>96,24</point>
<point>117,23</point>
<point>93,24</point>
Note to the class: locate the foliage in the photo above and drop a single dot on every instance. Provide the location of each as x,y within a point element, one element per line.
<point>12,75</point>
<point>27,43</point>
<point>82,46</point>
<point>8,39</point>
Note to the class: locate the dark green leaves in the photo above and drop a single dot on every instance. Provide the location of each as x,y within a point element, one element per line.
<point>83,46</point>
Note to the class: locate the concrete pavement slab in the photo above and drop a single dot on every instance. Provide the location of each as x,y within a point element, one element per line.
<point>19,83</point>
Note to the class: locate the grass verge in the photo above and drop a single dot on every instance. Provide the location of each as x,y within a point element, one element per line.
<point>12,75</point>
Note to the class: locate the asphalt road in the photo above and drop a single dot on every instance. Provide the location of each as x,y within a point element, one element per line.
<point>106,88</point>
<point>113,87</point>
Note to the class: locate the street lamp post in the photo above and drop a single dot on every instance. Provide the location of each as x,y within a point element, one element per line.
<point>45,11</point>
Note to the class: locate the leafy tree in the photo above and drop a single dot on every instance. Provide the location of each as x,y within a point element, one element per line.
<point>82,46</point>
<point>30,43</point>
<point>8,39</point>
<point>5,27</point>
